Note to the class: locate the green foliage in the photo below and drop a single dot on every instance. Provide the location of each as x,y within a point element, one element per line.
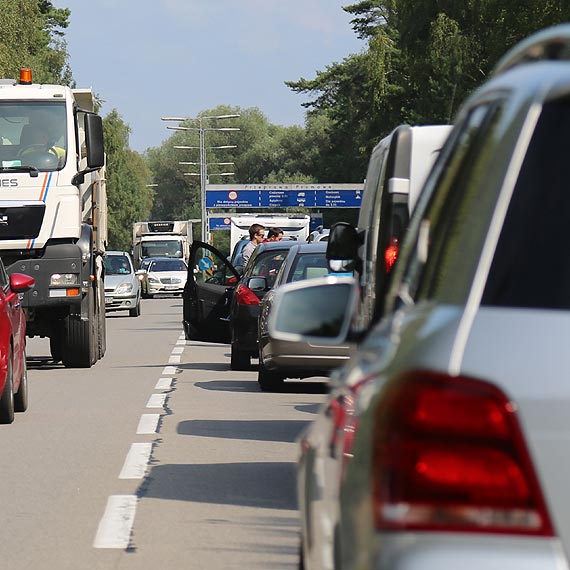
<point>31,35</point>
<point>129,198</point>
<point>423,58</point>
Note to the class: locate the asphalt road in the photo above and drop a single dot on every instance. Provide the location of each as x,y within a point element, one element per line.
<point>159,456</point>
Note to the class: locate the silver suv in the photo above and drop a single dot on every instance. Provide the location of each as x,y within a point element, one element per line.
<point>443,444</point>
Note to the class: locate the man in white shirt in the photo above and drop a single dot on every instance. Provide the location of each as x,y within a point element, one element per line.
<point>256,235</point>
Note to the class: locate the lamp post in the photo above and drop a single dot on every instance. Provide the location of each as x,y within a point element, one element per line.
<point>203,174</point>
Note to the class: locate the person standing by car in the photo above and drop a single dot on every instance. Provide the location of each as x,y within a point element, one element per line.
<point>274,234</point>
<point>256,235</point>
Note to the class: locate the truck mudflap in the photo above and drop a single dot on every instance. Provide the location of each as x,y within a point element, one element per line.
<point>57,259</point>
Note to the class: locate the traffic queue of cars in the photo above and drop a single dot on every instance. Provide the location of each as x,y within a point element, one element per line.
<point>442,442</point>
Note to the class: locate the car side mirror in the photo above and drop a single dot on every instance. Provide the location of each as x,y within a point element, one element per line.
<point>342,248</point>
<point>257,284</point>
<point>20,283</point>
<point>315,311</point>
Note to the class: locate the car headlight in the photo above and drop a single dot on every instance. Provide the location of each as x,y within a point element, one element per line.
<point>124,288</point>
<point>63,279</point>
<point>152,279</point>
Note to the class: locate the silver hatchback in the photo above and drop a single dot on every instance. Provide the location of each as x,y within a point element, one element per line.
<point>122,286</point>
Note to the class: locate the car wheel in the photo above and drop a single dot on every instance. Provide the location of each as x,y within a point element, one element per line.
<point>7,399</point>
<point>239,359</point>
<point>268,380</point>
<point>136,311</point>
<point>21,396</point>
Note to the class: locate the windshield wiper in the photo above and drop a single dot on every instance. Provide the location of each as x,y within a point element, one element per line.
<point>24,168</point>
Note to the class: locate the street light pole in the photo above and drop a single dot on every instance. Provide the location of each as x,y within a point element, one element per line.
<point>203,159</point>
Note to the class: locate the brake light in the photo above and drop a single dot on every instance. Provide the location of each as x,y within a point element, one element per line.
<point>245,296</point>
<point>391,254</point>
<point>449,454</point>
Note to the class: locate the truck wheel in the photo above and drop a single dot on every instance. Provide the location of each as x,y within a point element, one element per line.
<point>102,331</point>
<point>7,399</point>
<point>80,342</point>
<point>239,359</point>
<point>21,396</point>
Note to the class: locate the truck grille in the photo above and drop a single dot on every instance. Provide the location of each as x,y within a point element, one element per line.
<point>21,221</point>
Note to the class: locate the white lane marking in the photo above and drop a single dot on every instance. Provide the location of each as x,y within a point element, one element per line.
<point>115,526</point>
<point>174,359</point>
<point>164,384</point>
<point>156,401</point>
<point>169,371</point>
<point>148,424</point>
<point>178,350</point>
<point>182,337</point>
<point>137,461</point>
<point>181,342</point>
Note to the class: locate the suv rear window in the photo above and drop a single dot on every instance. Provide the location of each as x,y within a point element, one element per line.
<point>531,265</point>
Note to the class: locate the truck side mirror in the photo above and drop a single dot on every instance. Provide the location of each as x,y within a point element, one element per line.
<point>94,141</point>
<point>342,247</point>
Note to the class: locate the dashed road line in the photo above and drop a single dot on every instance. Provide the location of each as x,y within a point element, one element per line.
<point>157,401</point>
<point>136,462</point>
<point>164,384</point>
<point>115,527</point>
<point>148,424</point>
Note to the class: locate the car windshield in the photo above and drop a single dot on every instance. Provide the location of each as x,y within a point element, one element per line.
<point>308,266</point>
<point>33,134</point>
<point>158,248</point>
<point>167,265</point>
<point>117,265</point>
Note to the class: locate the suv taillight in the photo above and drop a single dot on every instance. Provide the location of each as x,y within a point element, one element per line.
<point>245,296</point>
<point>391,254</point>
<point>449,455</point>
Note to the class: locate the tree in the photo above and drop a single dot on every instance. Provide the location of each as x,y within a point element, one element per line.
<point>31,35</point>
<point>128,196</point>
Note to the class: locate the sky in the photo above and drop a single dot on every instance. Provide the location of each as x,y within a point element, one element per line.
<point>176,58</point>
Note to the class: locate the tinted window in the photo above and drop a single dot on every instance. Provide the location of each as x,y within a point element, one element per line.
<point>167,265</point>
<point>531,266</point>
<point>211,268</point>
<point>450,229</point>
<point>267,264</point>
<point>308,266</point>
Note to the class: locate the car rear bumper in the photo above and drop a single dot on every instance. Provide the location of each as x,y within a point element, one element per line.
<point>441,551</point>
<point>302,357</point>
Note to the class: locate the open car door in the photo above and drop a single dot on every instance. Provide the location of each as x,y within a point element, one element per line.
<point>208,293</point>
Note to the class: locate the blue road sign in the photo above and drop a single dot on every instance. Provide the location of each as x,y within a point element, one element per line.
<point>285,196</point>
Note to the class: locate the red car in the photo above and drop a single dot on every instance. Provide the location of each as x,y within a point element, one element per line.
<point>13,371</point>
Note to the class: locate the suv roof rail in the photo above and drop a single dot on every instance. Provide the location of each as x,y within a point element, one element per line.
<point>550,44</point>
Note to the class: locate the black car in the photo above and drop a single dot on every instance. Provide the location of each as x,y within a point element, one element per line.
<point>222,305</point>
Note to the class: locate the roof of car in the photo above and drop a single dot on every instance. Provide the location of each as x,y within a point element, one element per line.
<point>310,247</point>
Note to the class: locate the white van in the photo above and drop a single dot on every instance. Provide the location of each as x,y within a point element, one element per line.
<point>294,226</point>
<point>397,170</point>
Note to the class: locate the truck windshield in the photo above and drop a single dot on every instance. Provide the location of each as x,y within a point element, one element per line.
<point>162,248</point>
<point>32,134</point>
